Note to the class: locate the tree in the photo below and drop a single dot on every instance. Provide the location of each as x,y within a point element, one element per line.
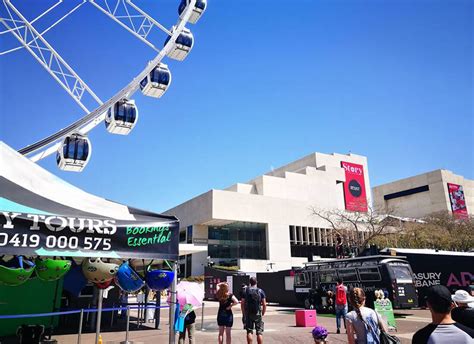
<point>358,229</point>
<point>441,231</point>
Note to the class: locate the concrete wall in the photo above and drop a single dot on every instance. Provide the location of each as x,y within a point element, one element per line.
<point>279,198</point>
<point>194,211</point>
<point>423,203</point>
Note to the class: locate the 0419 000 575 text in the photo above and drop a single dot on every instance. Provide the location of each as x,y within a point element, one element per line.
<point>52,241</point>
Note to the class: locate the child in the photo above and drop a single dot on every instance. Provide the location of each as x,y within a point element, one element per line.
<point>189,326</point>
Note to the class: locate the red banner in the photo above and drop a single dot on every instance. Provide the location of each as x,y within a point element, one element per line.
<point>354,187</point>
<point>458,202</point>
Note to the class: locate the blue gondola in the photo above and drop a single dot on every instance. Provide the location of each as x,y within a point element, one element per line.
<point>197,12</point>
<point>121,117</point>
<point>157,81</point>
<point>74,153</point>
<point>182,46</point>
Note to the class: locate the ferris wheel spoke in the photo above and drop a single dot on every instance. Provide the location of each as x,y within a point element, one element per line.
<point>45,30</point>
<point>132,18</point>
<point>49,58</point>
<point>58,2</point>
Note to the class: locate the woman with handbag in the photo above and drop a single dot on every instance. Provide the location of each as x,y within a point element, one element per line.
<point>364,325</point>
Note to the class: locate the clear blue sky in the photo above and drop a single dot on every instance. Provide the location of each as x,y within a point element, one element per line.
<point>266,83</point>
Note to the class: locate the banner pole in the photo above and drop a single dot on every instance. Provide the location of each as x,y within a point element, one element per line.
<point>99,315</point>
<point>172,334</point>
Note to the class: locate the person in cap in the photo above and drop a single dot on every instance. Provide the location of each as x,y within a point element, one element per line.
<point>443,329</point>
<point>462,313</point>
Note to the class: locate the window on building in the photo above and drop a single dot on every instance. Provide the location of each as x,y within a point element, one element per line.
<point>189,239</point>
<point>324,238</point>
<point>182,236</point>
<point>292,234</point>
<point>181,270</point>
<point>310,235</point>
<point>305,235</point>
<point>189,259</point>
<point>298,234</point>
<point>238,240</point>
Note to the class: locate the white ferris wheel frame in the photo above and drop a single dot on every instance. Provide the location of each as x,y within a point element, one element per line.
<point>57,67</point>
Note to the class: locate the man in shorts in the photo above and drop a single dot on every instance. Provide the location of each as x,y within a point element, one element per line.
<point>254,306</point>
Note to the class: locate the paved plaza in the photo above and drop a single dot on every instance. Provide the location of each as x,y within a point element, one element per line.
<point>279,328</point>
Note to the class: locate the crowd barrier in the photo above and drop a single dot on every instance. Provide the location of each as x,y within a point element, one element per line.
<point>128,308</point>
<point>89,310</point>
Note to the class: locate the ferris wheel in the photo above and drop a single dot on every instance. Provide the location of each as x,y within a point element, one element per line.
<point>119,113</point>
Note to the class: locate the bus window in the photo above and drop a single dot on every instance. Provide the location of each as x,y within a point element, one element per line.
<point>348,275</point>
<point>314,279</point>
<point>369,274</point>
<point>300,279</point>
<point>327,276</point>
<point>402,273</point>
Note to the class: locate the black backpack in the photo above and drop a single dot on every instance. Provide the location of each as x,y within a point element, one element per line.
<point>252,301</point>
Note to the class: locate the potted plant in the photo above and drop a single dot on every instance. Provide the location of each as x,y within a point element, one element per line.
<point>319,334</point>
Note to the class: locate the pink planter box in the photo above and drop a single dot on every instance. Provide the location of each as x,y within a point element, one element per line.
<point>305,317</point>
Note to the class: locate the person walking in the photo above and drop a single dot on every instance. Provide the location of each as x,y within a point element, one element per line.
<point>243,287</point>
<point>443,329</point>
<point>254,306</point>
<point>225,317</point>
<point>462,313</point>
<point>341,304</point>
<point>363,323</point>
<point>189,326</point>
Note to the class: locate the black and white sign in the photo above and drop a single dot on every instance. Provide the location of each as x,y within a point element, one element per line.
<point>56,235</point>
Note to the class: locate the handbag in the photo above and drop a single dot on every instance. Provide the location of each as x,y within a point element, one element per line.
<point>386,338</point>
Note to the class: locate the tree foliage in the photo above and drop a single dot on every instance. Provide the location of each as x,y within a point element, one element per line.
<point>441,231</point>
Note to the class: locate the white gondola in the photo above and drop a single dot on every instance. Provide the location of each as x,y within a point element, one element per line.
<point>74,153</point>
<point>182,46</point>
<point>157,81</point>
<point>197,12</point>
<point>121,117</point>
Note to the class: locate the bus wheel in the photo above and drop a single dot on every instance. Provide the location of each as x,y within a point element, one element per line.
<point>307,304</point>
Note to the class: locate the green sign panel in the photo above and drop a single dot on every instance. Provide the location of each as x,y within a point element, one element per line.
<point>385,309</point>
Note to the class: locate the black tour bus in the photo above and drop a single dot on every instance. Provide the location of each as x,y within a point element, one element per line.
<point>393,275</point>
<point>454,270</point>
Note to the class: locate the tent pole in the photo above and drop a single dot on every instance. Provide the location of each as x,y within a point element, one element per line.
<point>99,315</point>
<point>172,334</point>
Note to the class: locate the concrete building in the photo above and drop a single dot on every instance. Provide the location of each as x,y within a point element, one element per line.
<point>427,193</point>
<point>267,223</point>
